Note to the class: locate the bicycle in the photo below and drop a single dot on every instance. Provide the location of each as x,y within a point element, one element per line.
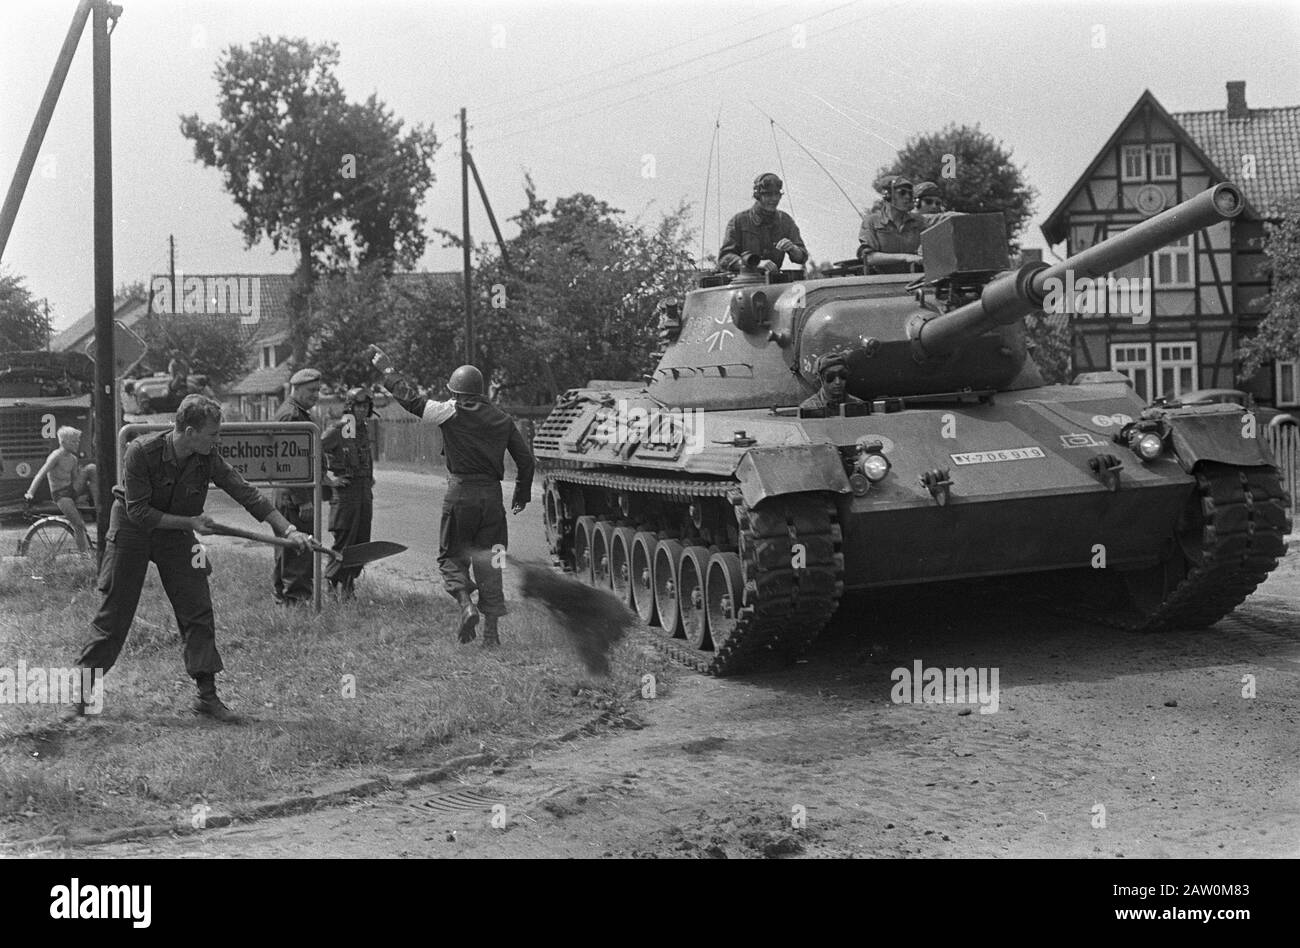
<point>50,536</point>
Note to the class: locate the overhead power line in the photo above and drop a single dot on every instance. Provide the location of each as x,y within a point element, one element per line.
<point>640,77</point>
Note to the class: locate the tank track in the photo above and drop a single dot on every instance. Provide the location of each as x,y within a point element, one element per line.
<point>1242,539</point>
<point>785,607</point>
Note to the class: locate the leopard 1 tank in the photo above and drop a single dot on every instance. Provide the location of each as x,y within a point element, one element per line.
<point>734,519</point>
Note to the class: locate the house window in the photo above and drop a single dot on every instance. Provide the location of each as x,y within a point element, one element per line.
<point>1173,265</point>
<point>1288,384</point>
<point>1125,295</point>
<point>1133,163</point>
<point>1176,366</point>
<point>268,357</point>
<point>1134,360</point>
<point>1162,162</point>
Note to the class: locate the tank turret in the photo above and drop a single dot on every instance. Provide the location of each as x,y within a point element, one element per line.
<point>755,344</point>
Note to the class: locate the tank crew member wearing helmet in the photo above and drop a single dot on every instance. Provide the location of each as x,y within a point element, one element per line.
<point>346,444</point>
<point>763,230</point>
<point>158,510</point>
<point>889,240</point>
<point>292,577</point>
<point>929,203</point>
<point>833,371</point>
<point>475,436</point>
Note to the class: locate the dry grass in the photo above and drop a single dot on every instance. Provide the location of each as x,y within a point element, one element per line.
<point>375,685</point>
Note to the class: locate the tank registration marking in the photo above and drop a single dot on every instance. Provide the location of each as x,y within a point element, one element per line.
<point>1082,439</point>
<point>1005,454</point>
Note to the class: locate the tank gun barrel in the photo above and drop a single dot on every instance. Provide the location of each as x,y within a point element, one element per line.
<point>1019,292</point>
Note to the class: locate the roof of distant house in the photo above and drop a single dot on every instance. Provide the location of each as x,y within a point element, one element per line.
<point>1270,138</point>
<point>1224,139</point>
<point>224,302</point>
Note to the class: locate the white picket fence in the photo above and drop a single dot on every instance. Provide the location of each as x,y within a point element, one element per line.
<point>1285,443</point>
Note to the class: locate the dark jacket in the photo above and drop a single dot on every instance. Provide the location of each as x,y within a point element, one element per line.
<point>752,232</point>
<point>475,437</point>
<point>156,483</point>
<point>292,496</point>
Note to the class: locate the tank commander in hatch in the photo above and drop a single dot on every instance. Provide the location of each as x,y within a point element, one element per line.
<point>833,372</point>
<point>889,240</point>
<point>763,230</point>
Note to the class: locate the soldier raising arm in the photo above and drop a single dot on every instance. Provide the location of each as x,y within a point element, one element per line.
<point>476,434</point>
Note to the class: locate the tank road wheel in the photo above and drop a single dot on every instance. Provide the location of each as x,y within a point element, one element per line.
<point>642,576</point>
<point>691,572</point>
<point>583,532</point>
<point>667,555</point>
<point>620,563</point>
<point>1227,540</point>
<point>724,594</point>
<point>601,543</point>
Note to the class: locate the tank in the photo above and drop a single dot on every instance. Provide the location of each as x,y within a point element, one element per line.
<point>734,520</point>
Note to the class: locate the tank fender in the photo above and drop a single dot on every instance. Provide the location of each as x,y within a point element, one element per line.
<point>790,469</point>
<point>1226,437</point>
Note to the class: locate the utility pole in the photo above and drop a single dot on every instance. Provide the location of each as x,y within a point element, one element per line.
<point>48,332</point>
<point>464,205</point>
<point>171,265</point>
<point>27,160</point>
<point>105,400</point>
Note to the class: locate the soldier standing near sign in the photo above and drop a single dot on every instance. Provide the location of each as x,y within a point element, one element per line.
<point>158,510</point>
<point>292,577</point>
<point>476,435</point>
<point>346,445</point>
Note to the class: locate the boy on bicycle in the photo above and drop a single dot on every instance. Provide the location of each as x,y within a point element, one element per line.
<point>67,478</point>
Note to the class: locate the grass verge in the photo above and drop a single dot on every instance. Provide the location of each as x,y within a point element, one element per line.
<point>365,687</point>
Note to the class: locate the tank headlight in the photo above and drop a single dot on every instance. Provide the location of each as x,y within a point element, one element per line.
<point>873,466</point>
<point>859,484</point>
<point>1149,446</point>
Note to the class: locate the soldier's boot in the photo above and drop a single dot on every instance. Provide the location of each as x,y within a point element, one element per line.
<point>207,703</point>
<point>490,637</point>
<point>77,711</point>
<point>468,618</point>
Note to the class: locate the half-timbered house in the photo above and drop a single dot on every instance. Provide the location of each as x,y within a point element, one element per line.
<point>1207,291</point>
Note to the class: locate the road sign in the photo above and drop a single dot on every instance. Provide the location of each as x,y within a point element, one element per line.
<point>273,453</point>
<point>128,348</point>
<point>278,454</point>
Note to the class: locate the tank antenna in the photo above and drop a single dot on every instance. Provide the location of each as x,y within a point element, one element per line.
<point>708,178</point>
<point>781,163</point>
<point>810,155</point>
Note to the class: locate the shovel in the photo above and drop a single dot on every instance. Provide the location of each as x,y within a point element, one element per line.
<point>359,554</point>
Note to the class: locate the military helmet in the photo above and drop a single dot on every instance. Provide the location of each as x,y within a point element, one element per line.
<point>466,380</point>
<point>359,395</point>
<point>893,183</point>
<point>767,182</point>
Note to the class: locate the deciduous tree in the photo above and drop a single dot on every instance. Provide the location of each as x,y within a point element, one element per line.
<point>339,183</point>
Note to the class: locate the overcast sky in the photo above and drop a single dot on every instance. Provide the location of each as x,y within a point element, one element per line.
<point>615,99</point>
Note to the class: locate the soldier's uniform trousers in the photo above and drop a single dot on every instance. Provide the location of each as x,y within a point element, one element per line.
<point>184,571</point>
<point>351,513</point>
<point>294,572</point>
<point>473,522</point>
